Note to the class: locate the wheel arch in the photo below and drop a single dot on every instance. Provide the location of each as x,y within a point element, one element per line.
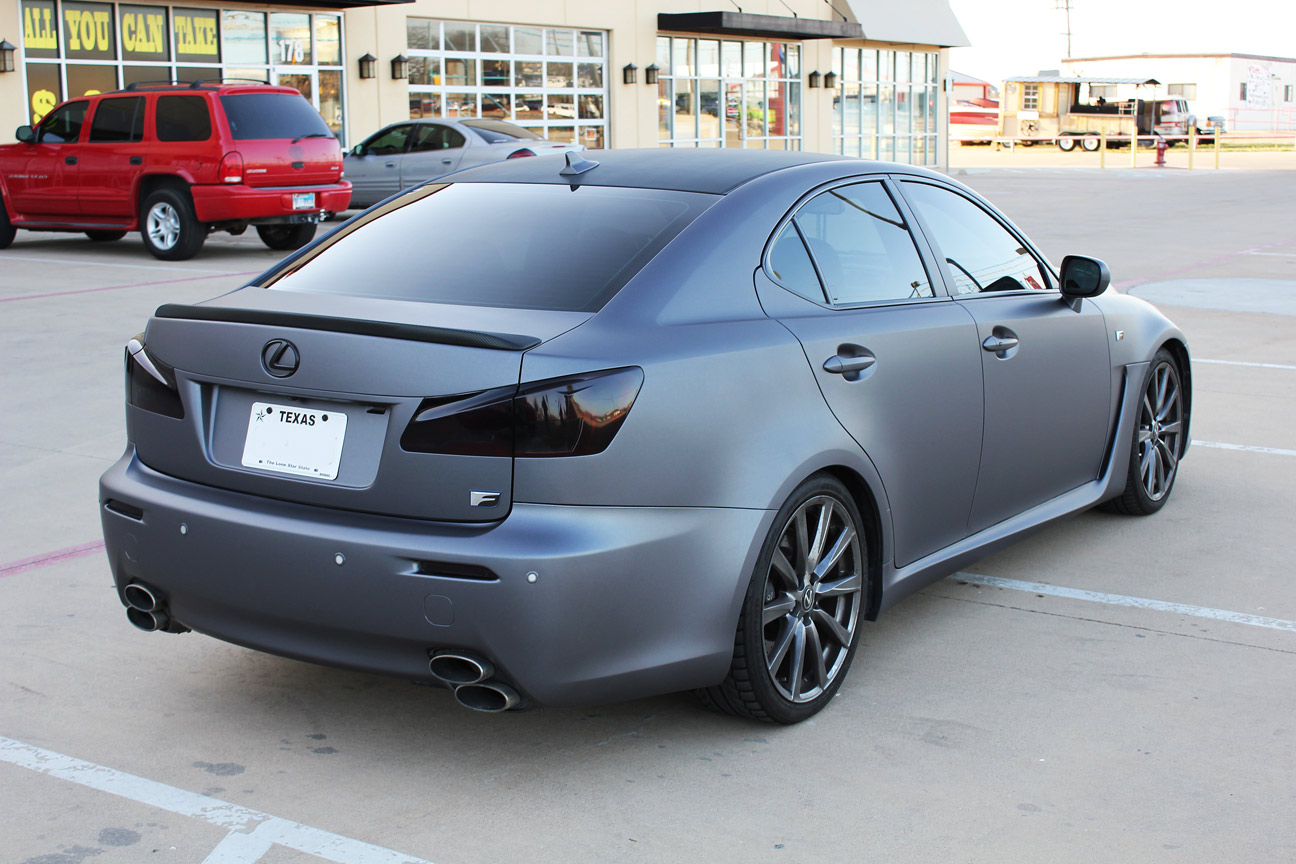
<point>871,515</point>
<point>150,183</point>
<point>1179,350</point>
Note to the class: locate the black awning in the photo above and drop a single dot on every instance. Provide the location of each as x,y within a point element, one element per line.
<point>765,26</point>
<point>333,4</point>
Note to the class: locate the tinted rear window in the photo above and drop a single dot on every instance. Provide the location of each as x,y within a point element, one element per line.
<point>257,116</point>
<point>183,118</point>
<point>499,132</point>
<point>522,246</point>
<point>120,119</point>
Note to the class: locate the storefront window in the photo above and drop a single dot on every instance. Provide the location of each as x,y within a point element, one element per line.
<point>883,107</point>
<point>715,93</point>
<point>549,80</point>
<point>290,39</point>
<point>245,37</point>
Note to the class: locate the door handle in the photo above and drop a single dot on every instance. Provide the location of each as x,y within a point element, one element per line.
<point>1001,342</point>
<point>839,365</point>
<point>70,160</point>
<point>137,160</point>
<point>445,161</point>
<point>390,164</point>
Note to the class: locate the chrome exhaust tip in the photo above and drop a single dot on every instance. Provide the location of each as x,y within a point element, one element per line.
<point>458,669</point>
<point>490,696</point>
<point>148,621</point>
<point>140,597</point>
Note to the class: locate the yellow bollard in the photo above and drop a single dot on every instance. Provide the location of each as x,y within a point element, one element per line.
<point>1102,150</point>
<point>1192,144</point>
<point>1134,149</point>
<point>1217,148</point>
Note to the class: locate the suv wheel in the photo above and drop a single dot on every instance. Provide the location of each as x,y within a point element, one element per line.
<point>287,236</point>
<point>7,231</point>
<point>168,226</point>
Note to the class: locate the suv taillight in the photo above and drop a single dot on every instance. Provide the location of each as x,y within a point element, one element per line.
<point>573,416</point>
<point>231,167</point>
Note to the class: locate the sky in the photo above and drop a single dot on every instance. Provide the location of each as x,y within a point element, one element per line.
<point>1021,37</point>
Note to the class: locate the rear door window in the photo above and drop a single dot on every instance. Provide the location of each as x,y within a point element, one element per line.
<point>434,136</point>
<point>522,246</point>
<point>183,118</point>
<point>119,120</point>
<point>261,116</point>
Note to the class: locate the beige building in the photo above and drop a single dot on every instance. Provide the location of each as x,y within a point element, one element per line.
<point>845,76</point>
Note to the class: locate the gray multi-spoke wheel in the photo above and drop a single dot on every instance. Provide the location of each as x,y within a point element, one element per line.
<point>168,226</point>
<point>798,629</point>
<point>1158,439</point>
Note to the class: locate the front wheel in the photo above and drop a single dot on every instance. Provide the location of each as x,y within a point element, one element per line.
<point>797,632</point>
<point>1158,441</point>
<point>286,237</point>
<point>1066,143</point>
<point>1089,143</point>
<point>168,225</point>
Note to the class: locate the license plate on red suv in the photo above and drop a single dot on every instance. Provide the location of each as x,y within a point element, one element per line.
<point>303,201</point>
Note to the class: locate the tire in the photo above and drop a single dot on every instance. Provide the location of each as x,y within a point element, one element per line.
<point>1066,143</point>
<point>168,226</point>
<point>795,615</point>
<point>99,236</point>
<point>7,230</point>
<point>286,237</point>
<point>1158,443</point>
<point>1089,143</point>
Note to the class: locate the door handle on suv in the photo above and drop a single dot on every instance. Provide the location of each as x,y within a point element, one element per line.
<point>137,160</point>
<point>69,160</point>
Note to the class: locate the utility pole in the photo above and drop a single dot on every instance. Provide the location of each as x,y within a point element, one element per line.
<point>1065,5</point>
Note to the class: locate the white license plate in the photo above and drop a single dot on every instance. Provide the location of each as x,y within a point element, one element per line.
<point>289,439</point>
<point>303,201</point>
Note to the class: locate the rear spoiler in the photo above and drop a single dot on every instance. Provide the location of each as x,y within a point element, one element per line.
<point>360,327</point>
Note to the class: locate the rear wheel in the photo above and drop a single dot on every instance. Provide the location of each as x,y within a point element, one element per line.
<point>797,632</point>
<point>1158,441</point>
<point>287,236</point>
<point>168,226</point>
<point>1066,143</point>
<point>1089,143</point>
<point>99,236</point>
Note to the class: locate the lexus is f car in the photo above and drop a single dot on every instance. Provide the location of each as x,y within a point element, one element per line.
<point>701,417</point>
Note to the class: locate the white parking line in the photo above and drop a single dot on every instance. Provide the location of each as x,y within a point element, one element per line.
<point>1122,600</point>
<point>252,833</point>
<point>90,262</point>
<point>1245,448</point>
<point>1197,360</point>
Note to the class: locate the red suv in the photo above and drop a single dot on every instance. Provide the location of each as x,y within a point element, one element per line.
<point>175,162</point>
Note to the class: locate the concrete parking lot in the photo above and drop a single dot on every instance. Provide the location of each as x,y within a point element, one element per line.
<point>1112,689</point>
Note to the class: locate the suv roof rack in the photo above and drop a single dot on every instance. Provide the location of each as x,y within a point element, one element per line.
<point>191,85</point>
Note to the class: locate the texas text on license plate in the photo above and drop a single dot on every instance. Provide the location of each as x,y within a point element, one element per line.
<point>290,439</point>
<point>303,201</point>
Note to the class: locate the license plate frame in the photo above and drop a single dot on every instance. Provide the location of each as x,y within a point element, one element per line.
<point>294,440</point>
<point>303,201</point>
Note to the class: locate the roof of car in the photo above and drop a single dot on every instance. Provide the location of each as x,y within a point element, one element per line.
<point>687,170</point>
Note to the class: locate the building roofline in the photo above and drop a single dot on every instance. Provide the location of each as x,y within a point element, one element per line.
<point>1179,57</point>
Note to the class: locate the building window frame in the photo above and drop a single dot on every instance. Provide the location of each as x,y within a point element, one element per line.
<point>1184,91</point>
<point>884,104</point>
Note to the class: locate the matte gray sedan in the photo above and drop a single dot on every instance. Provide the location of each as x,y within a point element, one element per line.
<point>403,155</point>
<point>700,417</point>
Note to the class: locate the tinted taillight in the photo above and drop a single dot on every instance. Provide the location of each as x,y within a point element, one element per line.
<point>150,384</point>
<point>231,168</point>
<point>520,154</point>
<point>574,416</point>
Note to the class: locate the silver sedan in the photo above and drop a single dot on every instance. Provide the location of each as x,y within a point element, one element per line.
<point>406,154</point>
<point>692,423</point>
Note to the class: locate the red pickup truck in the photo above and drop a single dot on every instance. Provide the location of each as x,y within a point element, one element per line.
<point>175,162</point>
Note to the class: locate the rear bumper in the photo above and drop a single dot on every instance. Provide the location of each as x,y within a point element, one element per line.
<point>627,602</point>
<point>237,202</point>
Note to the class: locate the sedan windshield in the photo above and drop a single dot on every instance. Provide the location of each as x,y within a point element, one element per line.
<point>522,246</point>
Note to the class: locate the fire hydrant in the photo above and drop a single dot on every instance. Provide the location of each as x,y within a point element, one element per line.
<point>1161,146</point>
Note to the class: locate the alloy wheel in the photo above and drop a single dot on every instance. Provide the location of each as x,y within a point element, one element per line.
<point>163,225</point>
<point>1160,431</point>
<point>812,597</point>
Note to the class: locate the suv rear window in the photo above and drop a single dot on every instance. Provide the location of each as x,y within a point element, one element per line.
<point>258,116</point>
<point>183,118</point>
<point>519,246</point>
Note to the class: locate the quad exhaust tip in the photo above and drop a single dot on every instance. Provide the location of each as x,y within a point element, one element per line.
<point>458,669</point>
<point>490,696</point>
<point>141,598</point>
<point>148,621</point>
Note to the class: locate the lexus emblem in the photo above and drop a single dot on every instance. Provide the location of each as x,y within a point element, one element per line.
<point>280,358</point>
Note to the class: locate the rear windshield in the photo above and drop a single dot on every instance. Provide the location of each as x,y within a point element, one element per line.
<point>255,116</point>
<point>500,132</point>
<point>520,246</point>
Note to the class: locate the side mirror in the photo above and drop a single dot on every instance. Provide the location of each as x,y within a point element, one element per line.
<point>1083,277</point>
<point>25,134</point>
<point>358,150</point>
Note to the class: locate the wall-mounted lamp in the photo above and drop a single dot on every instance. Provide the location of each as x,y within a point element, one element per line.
<point>815,78</point>
<point>629,73</point>
<point>830,80</point>
<point>650,74</point>
<point>368,64</point>
<point>6,56</point>
<point>400,68</point>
